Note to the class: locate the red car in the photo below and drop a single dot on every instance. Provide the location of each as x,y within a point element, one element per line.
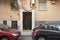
<point>9,34</point>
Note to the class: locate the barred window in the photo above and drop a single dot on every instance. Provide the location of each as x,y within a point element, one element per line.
<point>14,24</point>
<point>5,22</point>
<point>42,5</point>
<point>14,4</point>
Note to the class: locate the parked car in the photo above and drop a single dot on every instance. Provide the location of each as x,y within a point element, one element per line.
<point>7,33</point>
<point>46,32</point>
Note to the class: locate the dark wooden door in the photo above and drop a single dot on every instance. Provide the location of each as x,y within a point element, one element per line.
<point>27,20</point>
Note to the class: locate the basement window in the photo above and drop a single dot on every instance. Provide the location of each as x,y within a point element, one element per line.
<point>5,22</point>
<point>14,24</point>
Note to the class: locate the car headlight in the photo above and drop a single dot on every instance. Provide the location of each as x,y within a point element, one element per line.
<point>15,34</point>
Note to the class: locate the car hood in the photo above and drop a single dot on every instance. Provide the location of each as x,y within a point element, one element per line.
<point>11,31</point>
<point>14,31</point>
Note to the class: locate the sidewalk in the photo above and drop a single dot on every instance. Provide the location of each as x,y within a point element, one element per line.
<point>26,32</point>
<point>26,37</point>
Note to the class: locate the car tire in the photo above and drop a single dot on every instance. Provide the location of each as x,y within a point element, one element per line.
<point>4,38</point>
<point>41,38</point>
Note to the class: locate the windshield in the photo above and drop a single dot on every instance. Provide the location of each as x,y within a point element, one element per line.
<point>4,26</point>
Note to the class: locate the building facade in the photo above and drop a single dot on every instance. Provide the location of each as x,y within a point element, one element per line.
<point>29,13</point>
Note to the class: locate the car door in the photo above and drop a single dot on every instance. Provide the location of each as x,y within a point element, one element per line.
<point>53,33</point>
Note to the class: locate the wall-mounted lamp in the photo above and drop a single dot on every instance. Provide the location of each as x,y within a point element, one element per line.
<point>19,3</point>
<point>53,1</point>
<point>33,2</point>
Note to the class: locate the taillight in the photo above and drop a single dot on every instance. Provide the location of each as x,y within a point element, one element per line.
<point>36,32</point>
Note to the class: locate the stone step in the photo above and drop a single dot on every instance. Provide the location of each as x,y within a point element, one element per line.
<point>26,33</point>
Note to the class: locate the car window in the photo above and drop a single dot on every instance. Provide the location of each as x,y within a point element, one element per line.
<point>52,27</point>
<point>42,26</point>
<point>58,26</point>
<point>49,27</point>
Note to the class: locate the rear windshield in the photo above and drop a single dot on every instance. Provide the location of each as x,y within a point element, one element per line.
<point>4,26</point>
<point>50,27</point>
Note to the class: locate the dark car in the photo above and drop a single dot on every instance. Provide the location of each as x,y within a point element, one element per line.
<point>46,32</point>
<point>7,33</point>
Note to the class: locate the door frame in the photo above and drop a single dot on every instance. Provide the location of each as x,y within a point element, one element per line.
<point>27,20</point>
<point>21,18</point>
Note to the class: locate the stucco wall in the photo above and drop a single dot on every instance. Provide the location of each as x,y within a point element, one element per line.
<point>52,13</point>
<point>6,12</point>
<point>25,4</point>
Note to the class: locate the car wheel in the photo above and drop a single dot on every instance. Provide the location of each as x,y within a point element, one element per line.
<point>41,38</point>
<point>4,38</point>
